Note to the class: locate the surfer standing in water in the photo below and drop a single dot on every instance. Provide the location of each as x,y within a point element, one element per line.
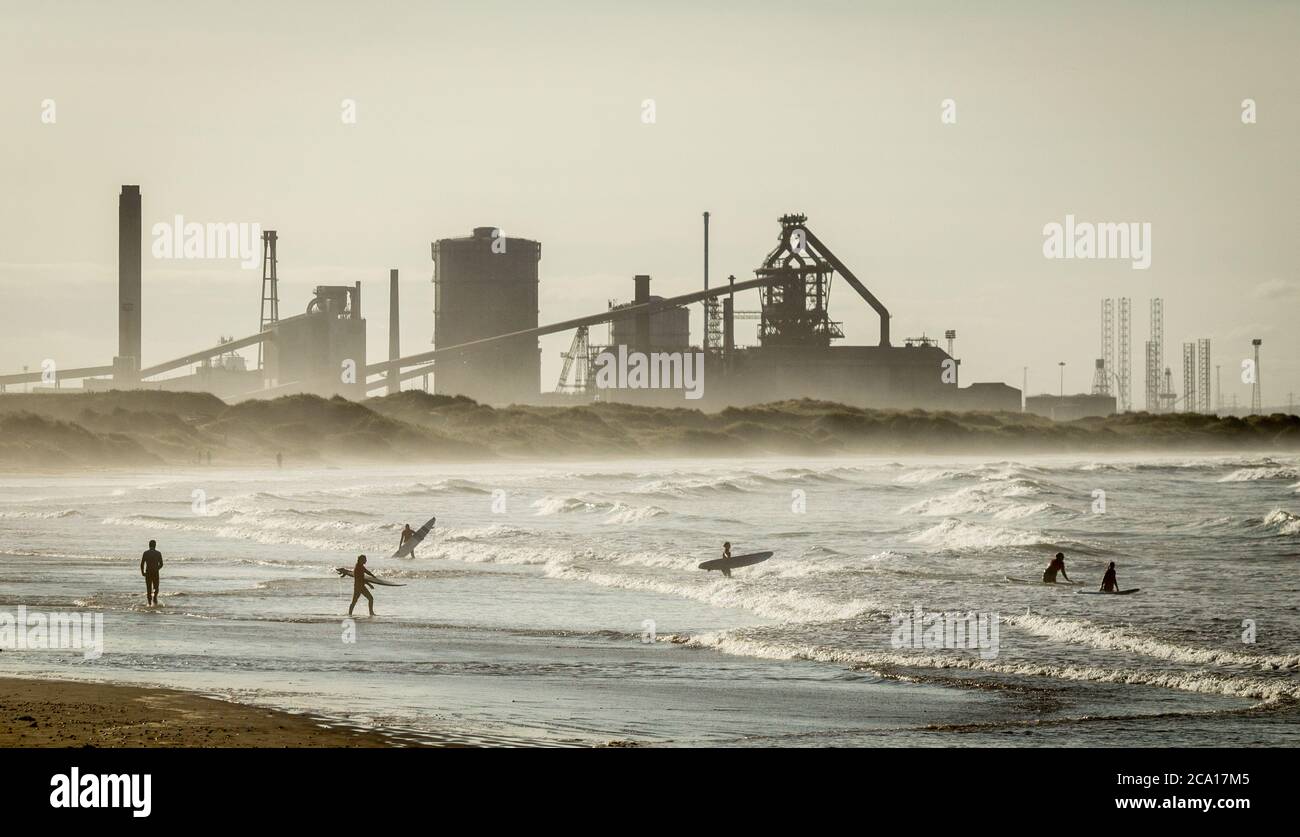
<point>1108,582</point>
<point>359,573</point>
<point>407,534</point>
<point>150,563</point>
<point>1057,566</point>
<point>726,553</point>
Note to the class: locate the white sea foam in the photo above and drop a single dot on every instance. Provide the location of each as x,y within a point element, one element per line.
<point>1267,473</point>
<point>46,515</point>
<point>1282,522</point>
<point>268,527</point>
<point>1128,640</point>
<point>784,605</point>
<point>998,499</point>
<point>961,535</point>
<point>624,514</point>
<point>1254,688</point>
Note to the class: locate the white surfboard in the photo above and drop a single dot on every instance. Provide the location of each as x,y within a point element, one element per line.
<point>347,571</point>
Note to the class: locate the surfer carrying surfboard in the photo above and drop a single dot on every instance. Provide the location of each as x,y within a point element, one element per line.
<point>1057,566</point>
<point>1108,582</point>
<point>407,534</point>
<point>359,582</point>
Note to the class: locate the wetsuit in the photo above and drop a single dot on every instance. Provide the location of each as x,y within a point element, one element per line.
<point>359,588</point>
<point>150,564</point>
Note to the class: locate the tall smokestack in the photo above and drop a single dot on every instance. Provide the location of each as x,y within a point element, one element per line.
<point>394,334</point>
<point>706,251</point>
<point>643,319</point>
<point>128,281</point>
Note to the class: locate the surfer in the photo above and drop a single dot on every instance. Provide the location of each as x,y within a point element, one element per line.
<point>1108,582</point>
<point>1057,566</point>
<point>359,573</point>
<point>150,563</point>
<point>407,534</point>
<point>726,555</point>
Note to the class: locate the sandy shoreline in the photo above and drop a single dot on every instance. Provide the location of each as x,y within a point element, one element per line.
<point>65,713</point>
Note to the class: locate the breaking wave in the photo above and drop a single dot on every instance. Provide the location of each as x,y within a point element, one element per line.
<point>1260,689</point>
<point>1268,473</point>
<point>961,535</point>
<point>1282,523</point>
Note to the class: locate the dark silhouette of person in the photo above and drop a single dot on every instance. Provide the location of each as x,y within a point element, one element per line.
<point>407,534</point>
<point>359,584</point>
<point>726,553</point>
<point>1057,566</point>
<point>1108,582</point>
<point>150,564</point>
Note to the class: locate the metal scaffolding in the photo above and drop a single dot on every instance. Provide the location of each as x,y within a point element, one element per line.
<point>577,360</point>
<point>270,288</point>
<point>1203,375</point>
<point>1106,366</point>
<point>1155,356</point>
<point>1125,354</point>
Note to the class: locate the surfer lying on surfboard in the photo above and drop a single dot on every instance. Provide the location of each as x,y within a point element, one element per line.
<point>1057,566</point>
<point>359,582</point>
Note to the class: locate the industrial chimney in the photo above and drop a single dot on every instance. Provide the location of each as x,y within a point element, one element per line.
<point>642,297</point>
<point>126,366</point>
<point>394,334</point>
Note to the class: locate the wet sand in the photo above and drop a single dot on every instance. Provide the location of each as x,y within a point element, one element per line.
<point>53,713</point>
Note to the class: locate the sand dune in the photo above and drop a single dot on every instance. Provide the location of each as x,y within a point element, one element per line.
<point>152,427</point>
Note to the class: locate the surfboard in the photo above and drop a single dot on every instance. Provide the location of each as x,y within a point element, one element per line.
<point>1015,580</point>
<point>736,561</point>
<point>347,571</point>
<point>1100,593</point>
<point>405,549</point>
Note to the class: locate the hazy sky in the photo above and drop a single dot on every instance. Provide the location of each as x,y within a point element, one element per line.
<point>528,116</point>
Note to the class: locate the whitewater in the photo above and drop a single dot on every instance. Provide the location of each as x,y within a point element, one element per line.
<point>561,603</point>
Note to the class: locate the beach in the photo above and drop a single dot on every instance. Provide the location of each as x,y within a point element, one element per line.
<point>61,713</point>
<point>561,604</point>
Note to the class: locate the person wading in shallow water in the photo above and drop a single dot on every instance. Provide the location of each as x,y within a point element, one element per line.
<point>150,564</point>
<point>359,573</point>
<point>407,534</point>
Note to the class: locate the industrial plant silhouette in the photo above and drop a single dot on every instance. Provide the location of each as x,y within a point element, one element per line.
<point>486,328</point>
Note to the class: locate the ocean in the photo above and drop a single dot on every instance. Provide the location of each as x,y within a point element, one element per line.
<point>561,604</point>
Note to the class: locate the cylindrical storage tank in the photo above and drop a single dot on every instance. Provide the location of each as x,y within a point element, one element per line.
<point>670,330</point>
<point>486,285</point>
